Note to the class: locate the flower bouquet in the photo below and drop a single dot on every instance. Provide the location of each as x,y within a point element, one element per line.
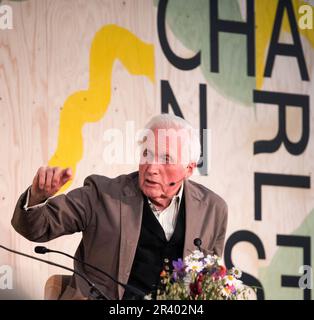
<point>201,277</point>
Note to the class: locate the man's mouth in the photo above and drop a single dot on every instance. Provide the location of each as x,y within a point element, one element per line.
<point>151,182</point>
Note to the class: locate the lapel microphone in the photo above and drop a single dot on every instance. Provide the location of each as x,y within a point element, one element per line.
<point>173,183</point>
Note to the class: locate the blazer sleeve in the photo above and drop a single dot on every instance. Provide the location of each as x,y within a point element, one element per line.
<point>61,215</point>
<point>222,228</point>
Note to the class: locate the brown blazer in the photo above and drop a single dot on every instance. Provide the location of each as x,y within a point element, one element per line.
<point>108,212</point>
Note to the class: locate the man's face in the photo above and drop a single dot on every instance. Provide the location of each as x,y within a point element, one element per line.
<point>162,162</point>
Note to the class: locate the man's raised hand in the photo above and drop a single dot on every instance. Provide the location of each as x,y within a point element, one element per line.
<point>48,182</point>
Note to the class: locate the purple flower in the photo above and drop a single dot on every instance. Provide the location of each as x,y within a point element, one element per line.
<point>178,265</point>
<point>178,269</point>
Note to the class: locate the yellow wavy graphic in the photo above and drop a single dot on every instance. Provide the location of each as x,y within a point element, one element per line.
<point>265,17</point>
<point>110,43</point>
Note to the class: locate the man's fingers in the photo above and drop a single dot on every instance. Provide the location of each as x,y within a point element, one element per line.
<point>57,171</point>
<point>35,183</point>
<point>41,177</point>
<point>68,172</point>
<point>66,175</point>
<point>49,180</point>
<point>49,175</point>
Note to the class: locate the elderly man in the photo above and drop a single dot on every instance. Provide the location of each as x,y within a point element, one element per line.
<point>132,223</point>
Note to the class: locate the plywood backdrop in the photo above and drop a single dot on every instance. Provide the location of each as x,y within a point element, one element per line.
<point>72,69</point>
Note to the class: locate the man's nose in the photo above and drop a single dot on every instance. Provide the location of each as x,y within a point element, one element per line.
<point>153,168</point>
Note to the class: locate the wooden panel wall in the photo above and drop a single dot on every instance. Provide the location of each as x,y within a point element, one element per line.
<point>45,58</point>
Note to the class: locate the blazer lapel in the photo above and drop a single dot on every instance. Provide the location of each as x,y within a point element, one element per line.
<point>131,219</point>
<point>194,211</point>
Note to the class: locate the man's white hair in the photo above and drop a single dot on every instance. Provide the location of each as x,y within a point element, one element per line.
<point>170,121</point>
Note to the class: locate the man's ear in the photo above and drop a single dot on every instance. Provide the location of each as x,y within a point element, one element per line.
<point>189,169</point>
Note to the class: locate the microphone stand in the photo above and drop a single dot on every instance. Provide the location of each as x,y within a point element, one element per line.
<point>94,290</point>
<point>130,288</point>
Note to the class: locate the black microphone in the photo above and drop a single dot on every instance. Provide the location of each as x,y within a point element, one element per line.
<point>127,287</point>
<point>94,290</point>
<point>41,250</point>
<point>173,183</point>
<point>198,242</point>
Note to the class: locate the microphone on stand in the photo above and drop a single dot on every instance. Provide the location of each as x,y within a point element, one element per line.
<point>198,242</point>
<point>127,287</point>
<point>94,290</point>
